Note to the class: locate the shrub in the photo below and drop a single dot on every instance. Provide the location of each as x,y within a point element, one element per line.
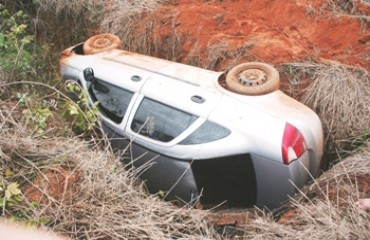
<point>15,44</point>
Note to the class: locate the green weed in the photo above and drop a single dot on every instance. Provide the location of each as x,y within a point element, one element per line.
<point>15,44</point>
<point>10,194</point>
<point>82,114</point>
<point>38,117</point>
<point>36,113</point>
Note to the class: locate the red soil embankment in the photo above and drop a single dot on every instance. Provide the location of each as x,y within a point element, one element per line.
<point>271,31</point>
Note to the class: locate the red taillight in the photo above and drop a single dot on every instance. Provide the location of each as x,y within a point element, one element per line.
<point>293,144</point>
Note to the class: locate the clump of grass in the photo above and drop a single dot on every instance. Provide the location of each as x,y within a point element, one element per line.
<point>137,36</point>
<point>78,20</point>
<point>340,95</point>
<point>221,57</point>
<point>350,9</point>
<point>347,7</point>
<point>216,53</point>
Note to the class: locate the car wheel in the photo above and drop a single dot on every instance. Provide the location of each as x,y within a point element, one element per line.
<point>101,43</point>
<point>252,78</point>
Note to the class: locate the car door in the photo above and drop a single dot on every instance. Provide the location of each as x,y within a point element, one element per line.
<point>114,104</point>
<point>151,124</point>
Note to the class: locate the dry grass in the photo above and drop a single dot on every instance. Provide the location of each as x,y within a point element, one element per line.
<point>105,202</point>
<point>137,36</point>
<point>340,95</point>
<point>220,56</point>
<point>65,23</point>
<point>325,209</point>
<point>100,6</point>
<point>347,7</point>
<point>77,20</point>
<point>351,9</point>
<point>216,53</point>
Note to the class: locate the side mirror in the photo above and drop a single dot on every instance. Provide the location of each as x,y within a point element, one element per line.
<point>89,74</point>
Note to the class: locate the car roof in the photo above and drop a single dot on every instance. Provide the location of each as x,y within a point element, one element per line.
<point>168,82</point>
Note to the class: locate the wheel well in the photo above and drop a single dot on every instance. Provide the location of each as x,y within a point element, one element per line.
<point>230,180</point>
<point>78,49</point>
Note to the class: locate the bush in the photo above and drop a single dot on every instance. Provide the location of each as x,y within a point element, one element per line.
<point>15,44</point>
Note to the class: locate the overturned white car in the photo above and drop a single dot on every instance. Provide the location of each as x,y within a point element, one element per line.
<point>207,136</point>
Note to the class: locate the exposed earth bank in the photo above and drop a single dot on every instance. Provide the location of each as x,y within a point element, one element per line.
<point>280,31</point>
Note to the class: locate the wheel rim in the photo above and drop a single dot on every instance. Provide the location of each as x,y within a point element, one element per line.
<point>252,77</point>
<point>102,43</point>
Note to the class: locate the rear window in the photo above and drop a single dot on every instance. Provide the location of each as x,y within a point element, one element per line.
<point>160,122</point>
<point>208,132</point>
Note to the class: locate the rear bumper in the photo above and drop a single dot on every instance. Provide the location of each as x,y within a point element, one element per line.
<point>277,181</point>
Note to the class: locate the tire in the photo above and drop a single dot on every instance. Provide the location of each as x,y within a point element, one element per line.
<point>253,79</point>
<point>101,43</point>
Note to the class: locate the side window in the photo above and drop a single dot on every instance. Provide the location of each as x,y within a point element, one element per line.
<point>113,101</point>
<point>159,121</point>
<point>208,132</point>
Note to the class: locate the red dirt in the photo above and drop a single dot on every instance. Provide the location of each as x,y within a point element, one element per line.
<point>56,184</point>
<point>275,32</point>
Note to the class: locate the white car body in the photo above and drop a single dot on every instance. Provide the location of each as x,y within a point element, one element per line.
<point>257,125</point>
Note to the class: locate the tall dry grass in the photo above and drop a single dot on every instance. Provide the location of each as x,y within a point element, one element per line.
<point>66,22</point>
<point>340,95</point>
<point>82,189</point>
<point>222,56</point>
<point>354,9</point>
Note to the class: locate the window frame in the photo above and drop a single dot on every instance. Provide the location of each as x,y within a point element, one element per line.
<point>121,125</point>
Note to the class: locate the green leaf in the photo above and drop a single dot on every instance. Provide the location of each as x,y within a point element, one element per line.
<point>73,110</point>
<point>8,172</point>
<point>43,220</point>
<point>12,190</point>
<point>2,40</point>
<point>18,198</point>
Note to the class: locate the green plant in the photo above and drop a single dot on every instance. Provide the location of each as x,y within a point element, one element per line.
<point>358,143</point>
<point>15,48</point>
<point>22,99</point>
<point>82,114</point>
<point>12,202</point>
<point>10,194</point>
<point>38,117</point>
<point>36,112</point>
